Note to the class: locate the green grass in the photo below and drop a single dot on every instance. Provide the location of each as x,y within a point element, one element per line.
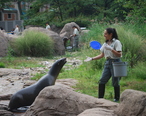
<point>22,62</point>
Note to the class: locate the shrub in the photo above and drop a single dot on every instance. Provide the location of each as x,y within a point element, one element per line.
<point>139,71</point>
<point>33,43</point>
<point>2,65</point>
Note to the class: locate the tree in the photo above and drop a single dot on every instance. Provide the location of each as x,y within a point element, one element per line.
<point>137,9</point>
<point>2,3</point>
<point>61,10</point>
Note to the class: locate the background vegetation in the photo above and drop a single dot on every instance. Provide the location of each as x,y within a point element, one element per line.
<point>81,11</point>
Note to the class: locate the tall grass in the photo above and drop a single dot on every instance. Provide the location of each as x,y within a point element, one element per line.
<point>132,44</point>
<point>33,43</point>
<point>137,28</point>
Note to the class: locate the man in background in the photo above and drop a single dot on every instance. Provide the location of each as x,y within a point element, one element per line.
<point>48,26</point>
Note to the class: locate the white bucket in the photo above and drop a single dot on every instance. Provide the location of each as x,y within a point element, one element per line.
<point>120,69</point>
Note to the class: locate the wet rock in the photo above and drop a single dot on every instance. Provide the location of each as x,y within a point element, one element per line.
<point>4,111</point>
<point>5,97</point>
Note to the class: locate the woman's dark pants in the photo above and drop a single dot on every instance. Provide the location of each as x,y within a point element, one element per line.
<point>106,75</point>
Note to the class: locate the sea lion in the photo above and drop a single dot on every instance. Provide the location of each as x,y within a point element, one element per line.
<point>26,96</point>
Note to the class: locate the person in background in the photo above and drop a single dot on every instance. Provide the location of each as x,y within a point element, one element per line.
<point>16,30</point>
<point>112,51</point>
<point>76,37</point>
<point>48,26</point>
<point>1,28</point>
<point>12,31</point>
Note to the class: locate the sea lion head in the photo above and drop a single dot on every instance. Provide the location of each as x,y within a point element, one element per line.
<point>57,66</point>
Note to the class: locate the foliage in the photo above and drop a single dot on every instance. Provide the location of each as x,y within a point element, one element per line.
<point>139,71</point>
<point>63,10</point>
<point>137,28</point>
<point>132,45</point>
<point>60,10</point>
<point>82,21</point>
<point>2,65</point>
<point>3,3</point>
<point>137,9</point>
<point>32,43</point>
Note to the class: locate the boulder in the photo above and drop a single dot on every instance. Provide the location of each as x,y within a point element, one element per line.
<point>67,31</point>
<point>98,112</point>
<point>4,111</point>
<point>4,42</point>
<point>58,42</point>
<point>57,100</point>
<point>132,103</point>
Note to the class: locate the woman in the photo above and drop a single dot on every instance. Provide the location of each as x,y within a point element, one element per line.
<point>48,26</point>
<point>112,51</point>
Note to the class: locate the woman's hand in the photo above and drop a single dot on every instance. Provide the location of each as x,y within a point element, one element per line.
<point>108,47</point>
<point>88,59</point>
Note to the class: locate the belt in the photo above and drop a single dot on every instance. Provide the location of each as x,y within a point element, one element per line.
<point>111,59</point>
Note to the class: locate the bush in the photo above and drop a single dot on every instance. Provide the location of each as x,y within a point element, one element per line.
<point>2,65</point>
<point>139,71</point>
<point>33,43</point>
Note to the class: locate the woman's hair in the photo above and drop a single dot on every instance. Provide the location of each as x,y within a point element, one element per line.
<point>113,31</point>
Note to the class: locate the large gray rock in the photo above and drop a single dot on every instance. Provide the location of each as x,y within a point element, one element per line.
<point>57,100</point>
<point>132,103</point>
<point>58,42</point>
<point>4,42</point>
<point>98,112</point>
<point>67,31</point>
<point>4,111</point>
